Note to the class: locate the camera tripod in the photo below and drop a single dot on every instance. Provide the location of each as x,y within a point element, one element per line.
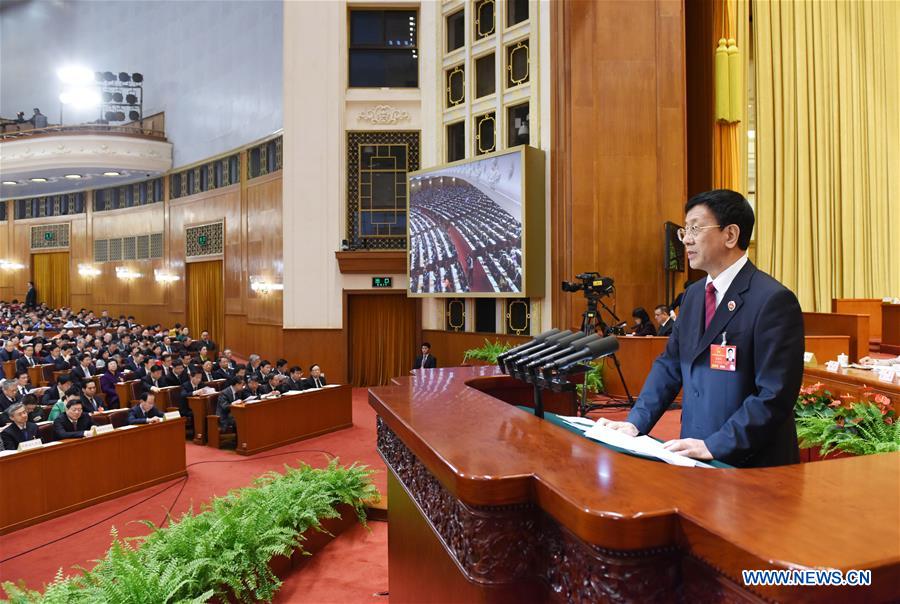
<point>591,323</point>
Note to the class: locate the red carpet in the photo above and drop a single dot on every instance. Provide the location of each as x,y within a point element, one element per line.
<point>352,568</point>
<point>211,473</point>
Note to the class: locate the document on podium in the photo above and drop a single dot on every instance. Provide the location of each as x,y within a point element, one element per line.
<point>641,445</point>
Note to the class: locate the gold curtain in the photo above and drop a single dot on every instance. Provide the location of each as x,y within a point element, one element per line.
<point>382,337</point>
<point>50,273</point>
<point>828,147</point>
<point>730,20</point>
<point>206,300</point>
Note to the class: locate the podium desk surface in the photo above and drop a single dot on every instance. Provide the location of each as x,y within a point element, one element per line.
<point>841,514</point>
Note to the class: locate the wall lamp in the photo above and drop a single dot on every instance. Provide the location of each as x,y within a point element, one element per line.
<point>123,272</point>
<point>86,270</point>
<point>264,287</point>
<point>164,277</point>
<point>8,265</point>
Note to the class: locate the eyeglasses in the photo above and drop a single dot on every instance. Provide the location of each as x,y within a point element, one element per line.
<point>693,231</point>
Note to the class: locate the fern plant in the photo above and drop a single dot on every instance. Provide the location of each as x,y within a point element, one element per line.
<point>224,551</point>
<point>487,353</point>
<point>845,424</point>
<point>593,379</point>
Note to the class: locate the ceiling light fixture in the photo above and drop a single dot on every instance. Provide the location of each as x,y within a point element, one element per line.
<point>38,179</point>
<point>73,176</point>
<point>112,173</point>
<point>10,182</point>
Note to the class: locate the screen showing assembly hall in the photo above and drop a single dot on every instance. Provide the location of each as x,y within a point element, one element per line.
<point>466,227</point>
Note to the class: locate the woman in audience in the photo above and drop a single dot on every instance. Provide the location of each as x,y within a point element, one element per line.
<point>642,324</point>
<point>108,383</point>
<point>73,423</point>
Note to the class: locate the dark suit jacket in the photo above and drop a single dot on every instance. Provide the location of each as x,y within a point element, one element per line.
<point>745,417</point>
<point>645,329</point>
<point>6,356</point>
<point>219,374</point>
<point>666,328</point>
<point>52,395</point>
<point>79,374</point>
<point>311,383</point>
<point>64,428</point>
<point>12,435</point>
<point>22,363</point>
<point>61,364</point>
<point>90,406</point>
<point>137,416</point>
<point>31,297</point>
<point>430,362</point>
<point>290,384</point>
<point>223,405</point>
<point>5,402</point>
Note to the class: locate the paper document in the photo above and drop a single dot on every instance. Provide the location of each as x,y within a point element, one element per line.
<point>292,392</point>
<point>582,423</point>
<point>643,445</point>
<point>330,385</point>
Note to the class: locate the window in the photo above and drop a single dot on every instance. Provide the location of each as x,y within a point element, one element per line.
<point>456,30</point>
<point>54,205</point>
<point>383,49</point>
<point>484,19</point>
<point>518,316</point>
<point>456,141</point>
<point>2,211</point>
<point>485,76</point>
<point>485,139</point>
<point>516,12</point>
<point>486,315</point>
<point>456,86</point>
<point>517,66</point>
<point>455,314</point>
<point>517,127</point>
<point>377,164</point>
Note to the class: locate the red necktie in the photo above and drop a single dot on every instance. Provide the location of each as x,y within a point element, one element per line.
<point>710,302</point>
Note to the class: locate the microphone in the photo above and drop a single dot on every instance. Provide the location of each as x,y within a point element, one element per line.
<point>553,344</point>
<point>578,344</point>
<point>527,345</point>
<point>594,350</point>
<point>549,341</point>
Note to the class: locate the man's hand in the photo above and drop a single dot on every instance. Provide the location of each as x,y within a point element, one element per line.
<point>626,427</point>
<point>154,420</point>
<point>689,447</point>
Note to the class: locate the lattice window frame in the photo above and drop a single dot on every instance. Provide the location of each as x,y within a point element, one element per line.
<point>60,240</point>
<point>215,231</point>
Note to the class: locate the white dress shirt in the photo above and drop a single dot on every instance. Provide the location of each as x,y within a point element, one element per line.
<point>723,281</point>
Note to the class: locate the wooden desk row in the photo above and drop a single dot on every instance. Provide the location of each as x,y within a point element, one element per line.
<point>491,504</point>
<point>50,481</point>
<point>636,356</point>
<point>853,382</point>
<point>274,422</point>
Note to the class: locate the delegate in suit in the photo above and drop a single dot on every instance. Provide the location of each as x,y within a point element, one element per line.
<point>425,360</point>
<point>741,414</point>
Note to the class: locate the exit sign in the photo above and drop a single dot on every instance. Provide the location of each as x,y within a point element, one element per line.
<point>202,240</point>
<point>48,236</point>
<point>382,282</point>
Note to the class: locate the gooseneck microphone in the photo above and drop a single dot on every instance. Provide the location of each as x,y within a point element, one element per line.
<point>507,363</point>
<point>501,358</point>
<point>597,349</point>
<point>554,344</point>
<point>574,346</point>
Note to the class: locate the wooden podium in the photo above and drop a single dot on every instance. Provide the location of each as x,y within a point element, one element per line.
<point>490,504</point>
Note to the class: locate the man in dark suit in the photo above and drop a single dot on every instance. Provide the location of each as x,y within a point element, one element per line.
<point>316,378</point>
<point>223,406</point>
<point>83,371</point>
<point>9,394</point>
<point>19,430</point>
<point>741,413</point>
<point>294,380</point>
<point>222,372</point>
<point>26,360</point>
<point>205,341</point>
<point>74,423</point>
<point>31,296</point>
<point>664,320</point>
<point>425,360</point>
<point>89,401</point>
<point>58,392</point>
<point>154,381</point>
<point>145,412</point>
<point>9,352</point>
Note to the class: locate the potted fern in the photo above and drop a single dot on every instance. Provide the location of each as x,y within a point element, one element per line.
<point>593,379</point>
<point>487,354</point>
<point>845,426</point>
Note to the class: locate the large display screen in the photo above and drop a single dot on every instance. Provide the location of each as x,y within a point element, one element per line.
<point>466,227</point>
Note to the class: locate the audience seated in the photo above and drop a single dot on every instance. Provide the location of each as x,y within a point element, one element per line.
<point>108,383</point>
<point>74,423</point>
<point>19,430</point>
<point>145,412</point>
<point>227,398</point>
<point>316,378</point>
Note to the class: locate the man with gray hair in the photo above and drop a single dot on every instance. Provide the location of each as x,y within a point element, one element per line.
<point>9,394</point>
<point>19,430</point>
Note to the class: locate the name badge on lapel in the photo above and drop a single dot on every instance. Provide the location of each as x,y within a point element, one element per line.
<point>723,357</point>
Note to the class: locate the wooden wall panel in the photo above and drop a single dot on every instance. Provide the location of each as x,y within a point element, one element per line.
<point>327,347</point>
<point>619,125</point>
<point>450,347</point>
<point>264,247</point>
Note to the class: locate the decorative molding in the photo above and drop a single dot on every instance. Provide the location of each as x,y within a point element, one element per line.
<point>383,115</point>
<point>503,544</point>
<point>84,151</point>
